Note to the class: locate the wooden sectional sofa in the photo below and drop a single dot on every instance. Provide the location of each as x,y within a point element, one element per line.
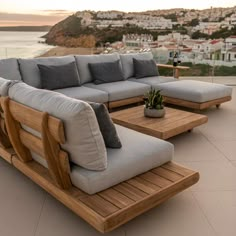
<point>53,137</point>
<point>53,146</point>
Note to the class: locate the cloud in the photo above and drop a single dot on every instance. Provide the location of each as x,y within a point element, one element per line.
<point>16,19</point>
<point>56,12</point>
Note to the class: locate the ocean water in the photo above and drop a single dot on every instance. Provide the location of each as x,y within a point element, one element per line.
<point>22,44</point>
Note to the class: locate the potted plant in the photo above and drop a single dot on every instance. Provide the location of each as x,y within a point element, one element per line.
<point>154,104</point>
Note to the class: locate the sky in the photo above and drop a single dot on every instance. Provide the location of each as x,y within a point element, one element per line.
<point>49,12</point>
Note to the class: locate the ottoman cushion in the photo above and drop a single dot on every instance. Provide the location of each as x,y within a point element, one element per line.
<point>194,91</point>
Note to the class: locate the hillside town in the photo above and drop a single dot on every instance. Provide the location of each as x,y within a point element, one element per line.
<point>189,50</point>
<point>210,20</point>
<point>165,45</point>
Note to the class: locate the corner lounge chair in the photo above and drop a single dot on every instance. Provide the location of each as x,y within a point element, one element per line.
<point>38,137</point>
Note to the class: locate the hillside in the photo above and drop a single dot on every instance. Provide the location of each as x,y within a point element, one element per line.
<point>71,33</point>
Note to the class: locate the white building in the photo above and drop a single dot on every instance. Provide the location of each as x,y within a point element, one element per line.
<point>208,49</point>
<point>173,36</point>
<point>208,27</point>
<point>109,14</point>
<point>231,54</point>
<point>233,19</point>
<point>228,52</point>
<point>137,40</point>
<point>212,49</point>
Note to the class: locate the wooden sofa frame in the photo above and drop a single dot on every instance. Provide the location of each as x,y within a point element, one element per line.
<point>105,210</point>
<point>195,105</point>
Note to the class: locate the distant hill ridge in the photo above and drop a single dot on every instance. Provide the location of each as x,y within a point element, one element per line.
<point>45,28</point>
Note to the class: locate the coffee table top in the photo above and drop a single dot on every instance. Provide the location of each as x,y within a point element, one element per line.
<point>174,122</point>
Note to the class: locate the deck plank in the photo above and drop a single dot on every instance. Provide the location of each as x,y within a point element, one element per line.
<point>99,205</point>
<point>156,179</point>
<point>177,169</point>
<point>143,185</point>
<point>116,198</point>
<point>167,174</point>
<point>130,191</point>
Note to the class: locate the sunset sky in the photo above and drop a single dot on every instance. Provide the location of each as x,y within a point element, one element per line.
<point>49,12</point>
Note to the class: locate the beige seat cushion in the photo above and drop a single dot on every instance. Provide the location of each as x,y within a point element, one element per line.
<point>139,153</point>
<point>153,81</point>
<point>121,90</point>
<point>85,94</point>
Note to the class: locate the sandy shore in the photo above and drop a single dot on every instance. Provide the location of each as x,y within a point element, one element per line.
<point>63,51</point>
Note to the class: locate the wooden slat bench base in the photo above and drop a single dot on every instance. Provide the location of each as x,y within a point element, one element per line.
<point>117,205</point>
<point>195,105</point>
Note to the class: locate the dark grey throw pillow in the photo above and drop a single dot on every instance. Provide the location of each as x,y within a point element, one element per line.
<point>145,68</point>
<point>60,76</point>
<point>106,125</point>
<point>106,72</point>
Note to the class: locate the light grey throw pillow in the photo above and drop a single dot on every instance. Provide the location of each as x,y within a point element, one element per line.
<point>106,72</point>
<point>145,68</point>
<point>106,125</point>
<point>57,77</point>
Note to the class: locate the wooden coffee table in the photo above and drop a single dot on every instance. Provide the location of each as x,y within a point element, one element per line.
<point>174,122</point>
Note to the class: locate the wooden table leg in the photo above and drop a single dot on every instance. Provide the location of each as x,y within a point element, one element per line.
<point>176,73</point>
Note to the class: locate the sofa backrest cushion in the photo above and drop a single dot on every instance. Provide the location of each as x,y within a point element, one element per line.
<point>127,62</point>
<point>106,72</point>
<point>58,77</point>
<point>30,71</point>
<point>145,68</point>
<point>84,141</point>
<point>83,67</point>
<point>9,69</point>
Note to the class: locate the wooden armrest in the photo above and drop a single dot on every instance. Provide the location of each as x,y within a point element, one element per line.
<point>173,67</point>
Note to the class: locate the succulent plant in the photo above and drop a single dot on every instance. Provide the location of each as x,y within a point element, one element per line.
<point>153,99</point>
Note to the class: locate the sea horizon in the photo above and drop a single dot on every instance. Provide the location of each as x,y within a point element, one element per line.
<point>23,44</point>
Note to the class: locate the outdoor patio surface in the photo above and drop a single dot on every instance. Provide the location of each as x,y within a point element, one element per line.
<point>206,209</point>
